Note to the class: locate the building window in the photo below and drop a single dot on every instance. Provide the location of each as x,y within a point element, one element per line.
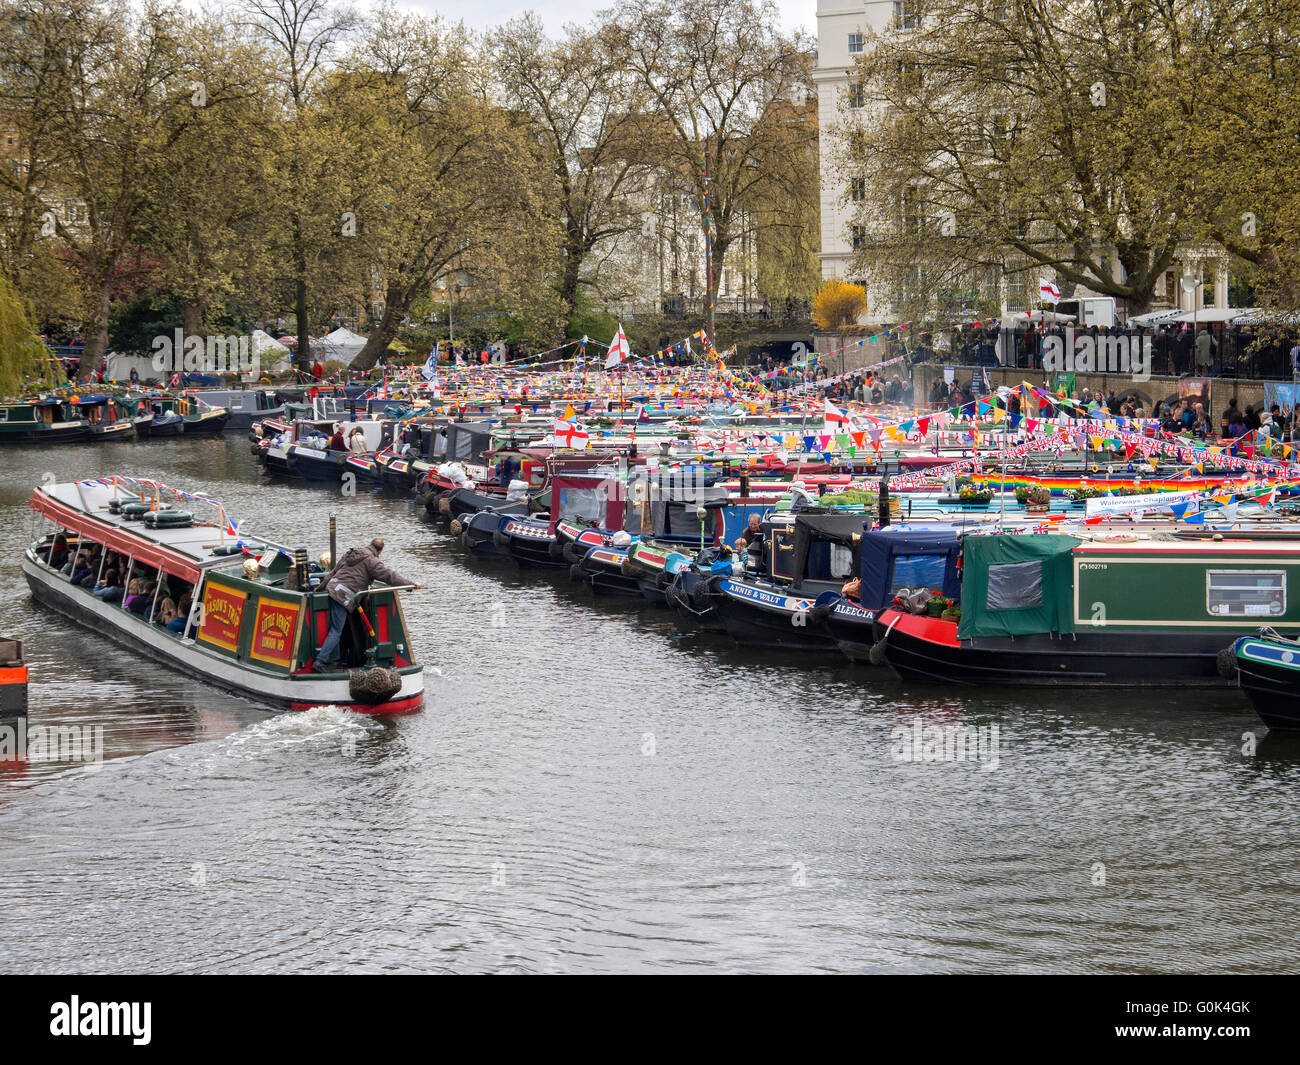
<point>857,96</point>
<point>858,189</point>
<point>1245,593</point>
<point>906,15</point>
<point>858,236</point>
<point>855,43</point>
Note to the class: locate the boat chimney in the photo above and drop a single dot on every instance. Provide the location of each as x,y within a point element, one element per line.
<point>334,551</point>
<point>300,565</point>
<point>883,502</point>
<point>744,485</point>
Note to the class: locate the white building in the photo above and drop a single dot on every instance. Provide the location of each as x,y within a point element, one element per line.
<point>842,27</point>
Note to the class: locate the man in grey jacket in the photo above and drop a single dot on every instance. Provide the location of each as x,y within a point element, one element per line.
<point>355,572</point>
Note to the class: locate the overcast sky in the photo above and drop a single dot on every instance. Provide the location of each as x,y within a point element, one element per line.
<point>482,14</point>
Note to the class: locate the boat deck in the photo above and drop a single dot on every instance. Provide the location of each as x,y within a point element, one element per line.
<point>83,507</point>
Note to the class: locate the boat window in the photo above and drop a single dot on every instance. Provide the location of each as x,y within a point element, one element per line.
<point>918,571</point>
<point>1245,593</point>
<point>841,560</point>
<point>1014,585</point>
<point>584,503</point>
<point>464,445</point>
<point>4,414</point>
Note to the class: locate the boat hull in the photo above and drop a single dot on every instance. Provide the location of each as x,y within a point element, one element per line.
<point>767,616</point>
<point>927,649</point>
<point>1269,674</point>
<point>293,692</point>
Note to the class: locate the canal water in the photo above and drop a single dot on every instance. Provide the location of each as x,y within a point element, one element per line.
<point>593,789</point>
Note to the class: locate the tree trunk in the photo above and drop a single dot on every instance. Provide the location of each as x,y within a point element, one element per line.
<point>194,317</point>
<point>96,334</point>
<point>300,311</point>
<point>395,304</point>
<point>573,256</point>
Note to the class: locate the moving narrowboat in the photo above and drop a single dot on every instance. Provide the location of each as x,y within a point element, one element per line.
<point>247,615</point>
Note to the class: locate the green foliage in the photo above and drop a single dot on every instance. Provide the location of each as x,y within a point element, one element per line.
<point>21,351</point>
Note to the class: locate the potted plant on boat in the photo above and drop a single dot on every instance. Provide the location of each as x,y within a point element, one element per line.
<point>937,604</point>
<point>952,612</point>
<point>971,496</point>
<point>1039,499</point>
<point>1077,495</point>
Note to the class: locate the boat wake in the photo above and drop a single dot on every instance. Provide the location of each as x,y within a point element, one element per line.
<point>319,726</point>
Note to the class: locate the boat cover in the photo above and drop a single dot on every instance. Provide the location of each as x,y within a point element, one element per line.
<point>911,556</point>
<point>1017,585</point>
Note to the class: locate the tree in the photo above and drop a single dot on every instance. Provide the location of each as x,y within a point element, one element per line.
<point>718,74</point>
<point>838,305</point>
<point>117,98</point>
<point>1009,139</point>
<point>587,113</point>
<point>463,186</point>
<point>1241,87</point>
<point>211,219</point>
<point>303,37</point>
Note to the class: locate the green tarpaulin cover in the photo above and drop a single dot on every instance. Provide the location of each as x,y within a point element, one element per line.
<point>1016,585</point>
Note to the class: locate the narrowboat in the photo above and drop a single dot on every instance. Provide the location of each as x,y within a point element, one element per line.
<point>246,615</point>
<point>105,418</point>
<point>246,406</point>
<point>807,554</point>
<point>42,421</point>
<point>1266,667</point>
<point>893,561</point>
<point>304,451</point>
<point>13,679</point>
<point>1120,609</point>
<point>162,414</point>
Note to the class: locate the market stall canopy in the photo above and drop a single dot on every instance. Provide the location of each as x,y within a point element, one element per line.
<point>1206,315</point>
<point>342,344</point>
<point>1262,317</point>
<point>1154,317</point>
<point>1051,317</point>
<point>270,353</point>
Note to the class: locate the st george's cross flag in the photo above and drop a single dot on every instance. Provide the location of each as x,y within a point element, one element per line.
<point>1048,292</point>
<point>567,434</point>
<point>618,349</point>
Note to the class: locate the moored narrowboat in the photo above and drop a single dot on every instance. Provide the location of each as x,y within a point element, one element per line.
<point>1127,610</point>
<point>13,679</point>
<point>1266,667</point>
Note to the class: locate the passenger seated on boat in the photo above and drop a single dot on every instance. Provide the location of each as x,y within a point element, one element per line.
<point>85,566</point>
<point>337,443</point>
<point>182,614</point>
<point>109,588</point>
<point>852,589</point>
<point>165,612</point>
<point>138,601</point>
<point>58,553</point>
<point>357,441</point>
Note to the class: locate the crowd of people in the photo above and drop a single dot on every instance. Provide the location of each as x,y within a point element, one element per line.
<point>162,598</point>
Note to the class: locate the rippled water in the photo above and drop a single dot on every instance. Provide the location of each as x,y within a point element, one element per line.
<point>594,789</point>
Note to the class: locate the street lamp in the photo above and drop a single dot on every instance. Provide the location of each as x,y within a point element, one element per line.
<point>1192,286</point>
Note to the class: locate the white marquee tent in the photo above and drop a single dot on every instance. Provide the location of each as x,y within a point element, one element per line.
<point>342,344</point>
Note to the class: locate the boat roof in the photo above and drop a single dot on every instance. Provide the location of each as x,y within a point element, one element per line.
<point>82,507</point>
